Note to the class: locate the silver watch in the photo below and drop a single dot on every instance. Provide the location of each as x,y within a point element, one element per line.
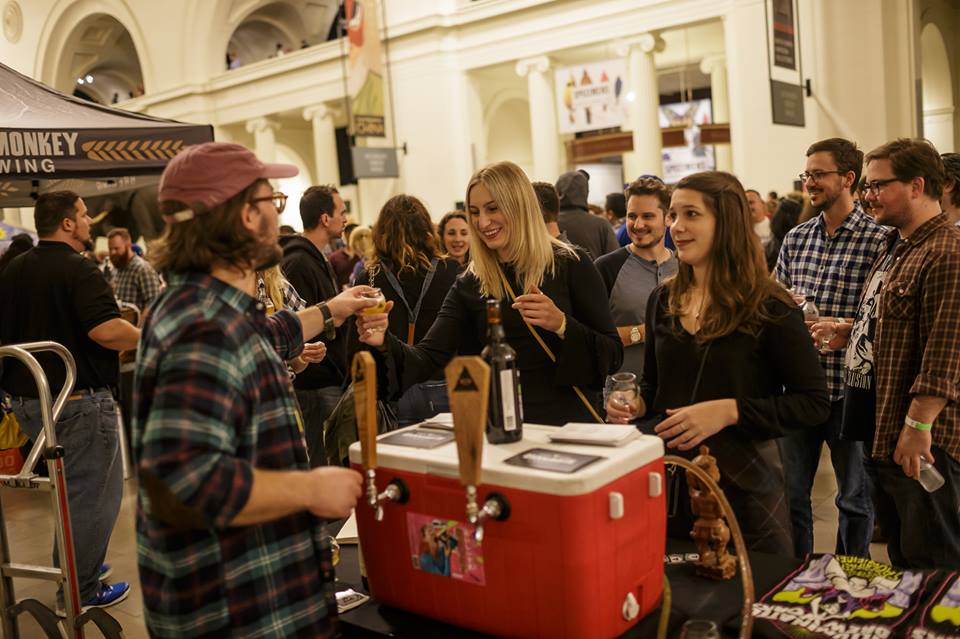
<point>635,335</point>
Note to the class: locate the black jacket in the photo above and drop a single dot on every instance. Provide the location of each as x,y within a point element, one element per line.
<point>312,276</point>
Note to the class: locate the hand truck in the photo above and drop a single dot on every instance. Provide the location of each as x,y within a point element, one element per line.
<point>55,484</point>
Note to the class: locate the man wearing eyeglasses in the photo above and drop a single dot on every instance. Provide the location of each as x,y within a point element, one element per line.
<point>320,386</point>
<point>903,357</point>
<point>829,257</point>
<point>230,535</point>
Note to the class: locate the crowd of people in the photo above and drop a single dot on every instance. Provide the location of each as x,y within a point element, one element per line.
<point>695,289</point>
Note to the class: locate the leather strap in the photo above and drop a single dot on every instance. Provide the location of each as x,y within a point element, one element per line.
<point>546,349</point>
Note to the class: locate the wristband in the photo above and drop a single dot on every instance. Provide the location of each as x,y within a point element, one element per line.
<point>912,423</point>
<point>563,327</point>
<point>329,328</point>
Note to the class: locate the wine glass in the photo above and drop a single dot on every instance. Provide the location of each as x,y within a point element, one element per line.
<point>625,393</point>
<point>377,295</point>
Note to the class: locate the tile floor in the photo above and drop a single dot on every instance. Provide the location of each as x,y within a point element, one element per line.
<point>30,526</point>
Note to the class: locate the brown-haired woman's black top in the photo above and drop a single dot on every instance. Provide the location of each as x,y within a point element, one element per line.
<point>778,383</point>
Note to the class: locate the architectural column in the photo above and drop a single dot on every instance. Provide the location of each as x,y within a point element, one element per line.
<point>643,110</point>
<point>543,117</point>
<point>716,67</point>
<point>323,118</point>
<point>264,131</point>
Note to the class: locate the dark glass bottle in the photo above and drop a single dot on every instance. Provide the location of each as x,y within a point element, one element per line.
<point>505,415</point>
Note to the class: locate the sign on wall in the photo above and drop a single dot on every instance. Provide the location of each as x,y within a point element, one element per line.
<point>365,69</point>
<point>591,96</point>
<point>694,156</point>
<point>784,62</point>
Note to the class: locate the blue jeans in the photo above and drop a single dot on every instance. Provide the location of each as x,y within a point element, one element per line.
<point>922,529</point>
<point>800,449</point>
<point>87,430</point>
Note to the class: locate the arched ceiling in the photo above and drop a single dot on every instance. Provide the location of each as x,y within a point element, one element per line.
<point>100,48</point>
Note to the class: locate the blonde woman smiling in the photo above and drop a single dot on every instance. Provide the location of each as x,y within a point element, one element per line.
<point>544,286</point>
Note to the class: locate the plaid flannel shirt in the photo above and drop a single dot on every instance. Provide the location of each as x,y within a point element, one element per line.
<point>213,402</point>
<point>136,283</point>
<point>291,300</point>
<point>917,343</point>
<point>833,270</point>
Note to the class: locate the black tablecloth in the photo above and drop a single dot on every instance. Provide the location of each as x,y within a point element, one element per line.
<point>693,598</point>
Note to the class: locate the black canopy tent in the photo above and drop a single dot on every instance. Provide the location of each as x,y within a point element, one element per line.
<point>50,141</point>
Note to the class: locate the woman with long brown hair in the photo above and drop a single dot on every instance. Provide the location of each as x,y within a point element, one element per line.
<point>408,267</point>
<point>731,364</point>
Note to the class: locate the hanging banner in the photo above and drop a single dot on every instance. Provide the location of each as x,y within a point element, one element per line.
<point>590,96</point>
<point>784,62</point>
<point>365,69</point>
<point>694,156</point>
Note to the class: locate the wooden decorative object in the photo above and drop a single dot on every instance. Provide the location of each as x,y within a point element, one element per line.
<point>710,530</point>
<point>468,385</point>
<point>364,372</point>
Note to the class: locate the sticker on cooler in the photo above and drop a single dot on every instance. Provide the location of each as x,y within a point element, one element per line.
<point>506,398</point>
<point>445,547</point>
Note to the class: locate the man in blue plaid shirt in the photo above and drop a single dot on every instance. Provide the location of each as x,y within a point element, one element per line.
<point>829,257</point>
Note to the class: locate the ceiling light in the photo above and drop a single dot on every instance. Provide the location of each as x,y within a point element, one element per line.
<point>89,78</point>
<point>79,80</point>
<point>631,96</point>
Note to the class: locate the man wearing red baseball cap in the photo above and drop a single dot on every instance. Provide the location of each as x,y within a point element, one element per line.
<point>229,530</point>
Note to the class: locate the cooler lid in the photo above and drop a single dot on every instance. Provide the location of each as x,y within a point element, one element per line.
<point>614,462</point>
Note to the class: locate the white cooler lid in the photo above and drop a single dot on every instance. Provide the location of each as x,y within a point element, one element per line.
<point>442,461</point>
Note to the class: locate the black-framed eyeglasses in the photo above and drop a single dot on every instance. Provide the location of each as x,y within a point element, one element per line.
<point>278,199</point>
<point>874,186</point>
<point>816,176</point>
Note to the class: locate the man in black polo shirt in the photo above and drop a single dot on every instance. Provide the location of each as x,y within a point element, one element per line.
<point>53,293</point>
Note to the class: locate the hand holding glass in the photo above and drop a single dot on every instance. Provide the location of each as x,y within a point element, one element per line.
<point>625,393</point>
<point>377,295</point>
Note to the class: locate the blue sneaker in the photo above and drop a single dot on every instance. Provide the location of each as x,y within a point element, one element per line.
<point>106,597</point>
<point>109,594</point>
<point>105,571</point>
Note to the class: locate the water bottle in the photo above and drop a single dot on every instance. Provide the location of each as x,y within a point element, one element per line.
<point>930,477</point>
<point>810,311</point>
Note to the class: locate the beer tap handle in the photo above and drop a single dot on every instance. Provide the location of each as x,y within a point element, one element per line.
<point>364,372</point>
<point>468,385</point>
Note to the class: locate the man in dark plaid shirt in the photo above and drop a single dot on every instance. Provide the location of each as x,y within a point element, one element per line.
<point>230,540</point>
<point>829,257</point>
<point>904,356</point>
<point>133,279</point>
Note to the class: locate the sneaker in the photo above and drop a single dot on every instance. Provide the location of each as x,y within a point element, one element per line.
<point>105,571</point>
<point>109,595</point>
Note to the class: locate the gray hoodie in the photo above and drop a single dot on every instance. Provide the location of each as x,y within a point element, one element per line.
<point>584,229</point>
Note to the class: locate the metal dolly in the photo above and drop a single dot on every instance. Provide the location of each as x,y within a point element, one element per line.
<point>55,484</point>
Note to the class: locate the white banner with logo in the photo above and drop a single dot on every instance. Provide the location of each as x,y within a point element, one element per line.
<point>591,96</point>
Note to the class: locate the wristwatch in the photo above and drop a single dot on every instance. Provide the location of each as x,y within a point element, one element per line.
<point>635,334</point>
<point>329,327</point>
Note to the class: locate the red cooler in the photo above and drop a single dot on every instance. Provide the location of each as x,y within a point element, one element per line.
<point>579,555</point>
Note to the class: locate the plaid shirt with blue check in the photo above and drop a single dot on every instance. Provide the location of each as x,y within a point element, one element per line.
<point>833,270</point>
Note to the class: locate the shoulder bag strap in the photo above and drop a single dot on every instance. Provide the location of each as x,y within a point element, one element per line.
<point>546,349</point>
<point>415,311</point>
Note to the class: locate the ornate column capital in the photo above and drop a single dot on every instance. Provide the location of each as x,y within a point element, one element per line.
<point>262,124</point>
<point>714,62</point>
<point>538,64</point>
<point>321,111</point>
<point>646,42</point>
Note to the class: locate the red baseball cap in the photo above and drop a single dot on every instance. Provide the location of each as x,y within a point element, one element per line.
<point>213,172</point>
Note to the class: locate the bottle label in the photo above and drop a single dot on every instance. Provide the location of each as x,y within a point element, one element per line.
<point>507,400</point>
